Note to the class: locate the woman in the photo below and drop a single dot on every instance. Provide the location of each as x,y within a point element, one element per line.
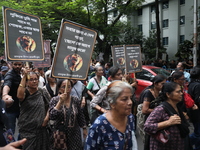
<point>152,92</point>
<point>147,96</point>
<point>50,86</point>
<point>66,110</point>
<point>178,77</point>
<point>114,129</point>
<point>160,119</point>
<point>33,113</point>
<point>193,90</point>
<point>99,103</point>
<point>97,82</point>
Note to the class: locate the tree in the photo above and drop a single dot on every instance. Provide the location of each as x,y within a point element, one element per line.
<point>132,35</point>
<point>150,46</point>
<point>185,50</point>
<point>92,13</point>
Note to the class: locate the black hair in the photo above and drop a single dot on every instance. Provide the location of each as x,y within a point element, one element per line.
<point>157,79</point>
<point>108,64</point>
<point>195,72</point>
<point>176,75</point>
<point>167,88</point>
<point>59,83</point>
<point>113,71</point>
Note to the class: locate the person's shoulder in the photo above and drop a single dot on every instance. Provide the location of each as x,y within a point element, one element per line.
<point>101,120</point>
<point>91,80</point>
<point>131,118</point>
<point>75,99</point>
<point>159,109</point>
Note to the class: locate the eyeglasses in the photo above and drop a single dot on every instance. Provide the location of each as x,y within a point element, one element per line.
<point>33,79</point>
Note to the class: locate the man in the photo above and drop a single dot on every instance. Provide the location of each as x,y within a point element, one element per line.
<point>4,70</point>
<point>181,67</point>
<point>9,94</point>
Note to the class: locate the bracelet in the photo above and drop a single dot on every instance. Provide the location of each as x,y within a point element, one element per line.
<point>21,85</point>
<point>4,95</point>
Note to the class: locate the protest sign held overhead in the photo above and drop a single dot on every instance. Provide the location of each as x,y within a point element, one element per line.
<point>23,36</point>
<point>133,58</point>
<point>73,51</point>
<point>118,56</point>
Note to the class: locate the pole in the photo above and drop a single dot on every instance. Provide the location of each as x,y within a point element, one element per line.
<point>195,34</point>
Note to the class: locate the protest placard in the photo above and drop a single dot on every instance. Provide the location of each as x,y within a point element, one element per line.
<point>133,58</point>
<point>23,36</point>
<point>73,51</point>
<point>118,56</point>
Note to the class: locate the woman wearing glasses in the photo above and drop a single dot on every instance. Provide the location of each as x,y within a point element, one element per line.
<point>66,111</point>
<point>33,112</point>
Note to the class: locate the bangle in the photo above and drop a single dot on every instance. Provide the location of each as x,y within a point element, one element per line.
<point>4,95</point>
<point>21,85</point>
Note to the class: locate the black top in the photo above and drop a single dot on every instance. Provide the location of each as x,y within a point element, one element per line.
<point>12,79</point>
<point>3,119</point>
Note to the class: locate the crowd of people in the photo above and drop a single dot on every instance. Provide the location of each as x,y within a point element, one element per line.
<point>53,114</point>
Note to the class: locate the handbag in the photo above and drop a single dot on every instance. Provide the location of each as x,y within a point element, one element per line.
<point>59,134</point>
<point>189,102</point>
<point>162,136</point>
<point>60,140</point>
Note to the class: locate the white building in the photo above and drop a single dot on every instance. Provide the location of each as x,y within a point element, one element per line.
<point>176,21</point>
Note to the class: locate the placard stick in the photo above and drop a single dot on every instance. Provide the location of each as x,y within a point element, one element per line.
<point>66,86</point>
<point>28,75</point>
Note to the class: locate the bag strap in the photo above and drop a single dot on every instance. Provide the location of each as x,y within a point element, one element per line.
<point>166,106</point>
<point>97,83</point>
<point>77,93</point>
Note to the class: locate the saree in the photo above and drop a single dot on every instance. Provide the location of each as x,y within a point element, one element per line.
<point>32,114</point>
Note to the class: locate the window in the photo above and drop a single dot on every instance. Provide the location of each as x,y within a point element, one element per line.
<point>153,8</point>
<point>139,12</point>
<point>153,25</point>
<point>165,23</point>
<point>140,27</point>
<point>115,13</point>
<point>182,2</point>
<point>165,41</point>
<point>182,38</point>
<point>144,74</point>
<point>165,5</point>
<point>182,20</point>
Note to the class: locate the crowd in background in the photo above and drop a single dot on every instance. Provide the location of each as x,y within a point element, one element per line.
<point>46,107</point>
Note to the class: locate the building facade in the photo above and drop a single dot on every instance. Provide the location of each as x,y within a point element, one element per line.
<point>176,21</point>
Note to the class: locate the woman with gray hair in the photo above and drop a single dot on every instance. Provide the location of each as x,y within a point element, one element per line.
<point>97,82</point>
<point>114,129</point>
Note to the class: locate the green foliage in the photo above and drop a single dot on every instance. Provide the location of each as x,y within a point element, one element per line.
<point>91,13</point>
<point>150,47</point>
<point>132,35</point>
<point>184,50</point>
